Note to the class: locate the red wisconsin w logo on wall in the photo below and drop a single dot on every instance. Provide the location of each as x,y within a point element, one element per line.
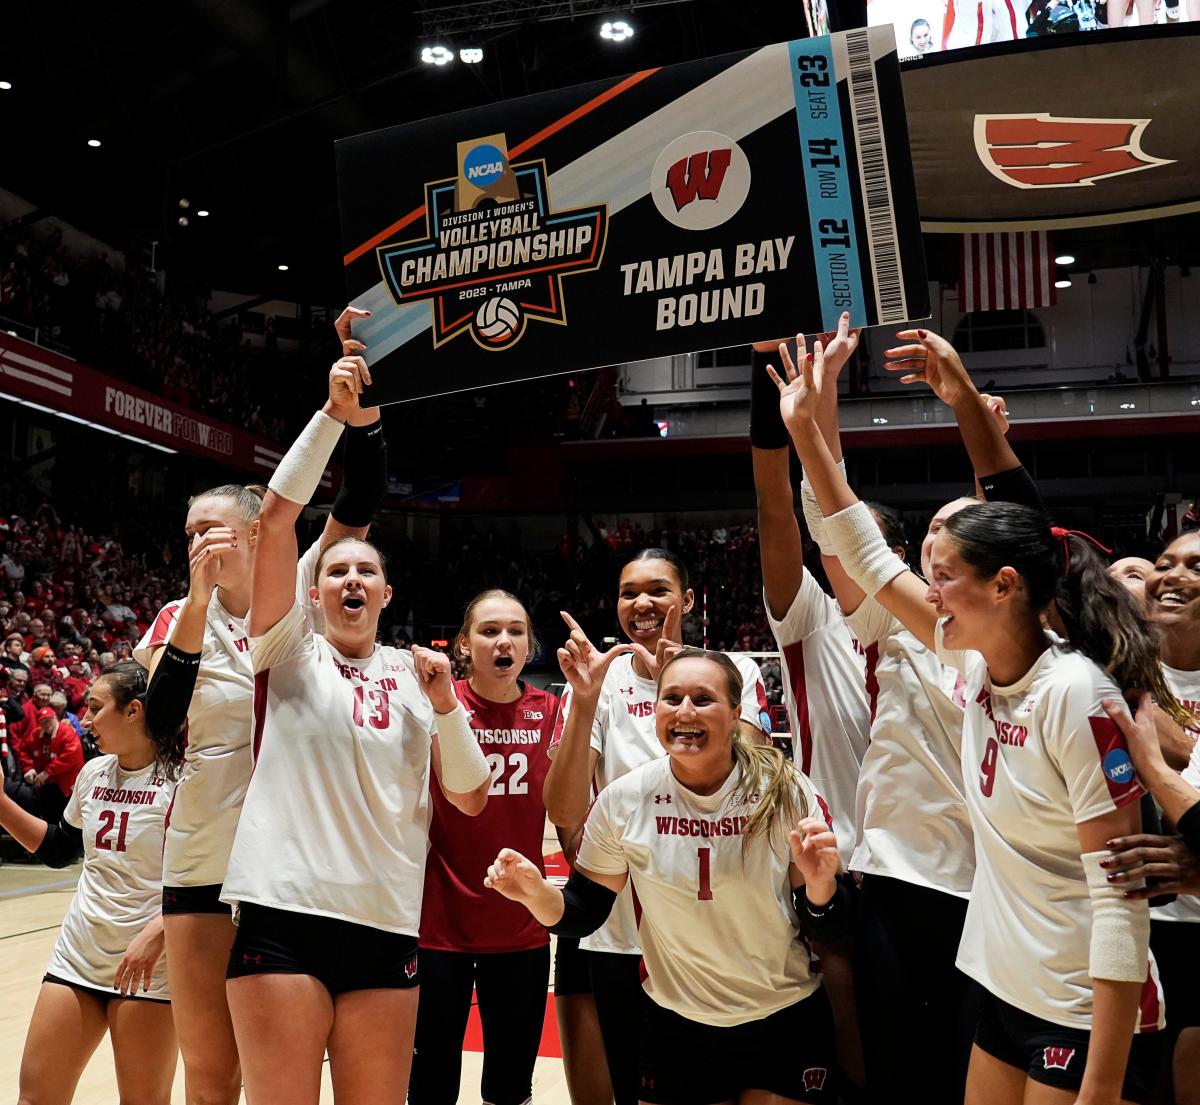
<point>1041,151</point>
<point>698,177</point>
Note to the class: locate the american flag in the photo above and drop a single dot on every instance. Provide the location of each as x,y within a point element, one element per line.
<point>1000,271</point>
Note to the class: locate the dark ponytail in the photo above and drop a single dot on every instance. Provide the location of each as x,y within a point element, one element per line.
<point>1100,616</point>
<point>127,682</point>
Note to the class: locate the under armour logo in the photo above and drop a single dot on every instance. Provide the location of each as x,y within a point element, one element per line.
<point>253,960</point>
<point>659,798</point>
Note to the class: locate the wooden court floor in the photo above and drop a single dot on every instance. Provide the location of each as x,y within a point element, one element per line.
<point>33,900</point>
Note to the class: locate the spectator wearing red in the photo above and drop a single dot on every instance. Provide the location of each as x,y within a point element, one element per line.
<point>44,667</point>
<point>50,763</point>
<point>75,686</point>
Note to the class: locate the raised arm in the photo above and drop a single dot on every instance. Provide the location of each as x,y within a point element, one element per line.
<point>295,480</point>
<point>364,452</point>
<point>848,524</point>
<point>567,790</point>
<point>580,908</point>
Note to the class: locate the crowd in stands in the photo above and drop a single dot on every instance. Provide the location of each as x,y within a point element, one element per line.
<point>116,318</point>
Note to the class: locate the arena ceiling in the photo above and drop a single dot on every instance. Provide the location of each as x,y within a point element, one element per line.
<point>235,106</point>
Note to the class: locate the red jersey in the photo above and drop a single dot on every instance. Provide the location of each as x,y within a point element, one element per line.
<point>458,914</point>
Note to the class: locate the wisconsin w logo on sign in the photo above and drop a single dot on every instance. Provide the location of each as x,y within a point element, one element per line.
<point>700,180</point>
<point>697,177</point>
<point>1041,151</point>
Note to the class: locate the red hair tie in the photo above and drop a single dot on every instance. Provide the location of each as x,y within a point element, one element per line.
<point>1064,535</point>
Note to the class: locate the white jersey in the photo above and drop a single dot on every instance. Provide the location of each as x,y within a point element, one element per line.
<point>623,734</point>
<point>718,927</point>
<point>336,818</point>
<point>1185,686</point>
<point>828,686</point>
<point>220,724</point>
<point>913,823</point>
<point>1039,758</point>
<point>121,815</point>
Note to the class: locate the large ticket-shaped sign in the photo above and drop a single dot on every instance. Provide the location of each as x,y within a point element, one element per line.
<point>691,207</point>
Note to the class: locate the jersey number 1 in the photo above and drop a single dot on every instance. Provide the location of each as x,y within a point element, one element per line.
<point>108,819</point>
<point>704,894</point>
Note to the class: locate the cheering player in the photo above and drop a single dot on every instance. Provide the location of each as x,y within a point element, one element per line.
<point>199,652</point>
<point>1063,955</point>
<point>106,973</point>
<point>468,939</point>
<point>607,730</point>
<point>328,863</point>
<point>730,1003</point>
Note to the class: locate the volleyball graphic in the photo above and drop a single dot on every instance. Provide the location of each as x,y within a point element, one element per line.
<point>498,321</point>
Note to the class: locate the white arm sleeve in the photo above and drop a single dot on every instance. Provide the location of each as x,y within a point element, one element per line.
<point>463,764</point>
<point>855,538</point>
<point>1120,944</point>
<point>299,473</point>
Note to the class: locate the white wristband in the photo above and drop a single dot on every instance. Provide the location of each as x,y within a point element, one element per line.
<point>854,536</point>
<point>1120,943</point>
<point>299,473</point>
<point>463,764</point>
<point>813,518</point>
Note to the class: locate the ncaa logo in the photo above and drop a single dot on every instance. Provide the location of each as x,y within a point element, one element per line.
<point>700,180</point>
<point>1118,767</point>
<point>483,166</point>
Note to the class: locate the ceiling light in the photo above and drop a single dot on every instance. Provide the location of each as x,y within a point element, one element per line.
<point>1064,259</point>
<point>5,86</point>
<point>617,30</point>
<point>185,203</point>
<point>94,143</point>
<point>282,268</point>
<point>183,220</point>
<point>437,55</point>
<point>1062,283</point>
<point>470,55</point>
<point>1128,406</point>
<point>202,213</point>
<point>879,421</point>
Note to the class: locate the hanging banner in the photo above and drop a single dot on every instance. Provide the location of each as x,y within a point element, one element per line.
<point>1057,132</point>
<point>49,382</point>
<point>690,207</point>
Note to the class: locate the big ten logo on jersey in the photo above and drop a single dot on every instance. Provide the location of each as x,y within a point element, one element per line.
<point>700,180</point>
<point>532,715</point>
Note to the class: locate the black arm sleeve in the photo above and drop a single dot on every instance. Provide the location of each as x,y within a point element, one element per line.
<point>170,692</point>
<point>364,475</point>
<point>833,920</point>
<point>767,430</point>
<point>586,906</point>
<point>1189,828</point>
<point>60,846</point>
<point>1014,486</point>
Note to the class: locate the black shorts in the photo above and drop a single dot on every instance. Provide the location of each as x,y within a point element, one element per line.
<point>1056,1055</point>
<point>790,1053</point>
<point>98,992</point>
<point>194,899</point>
<point>571,975</point>
<point>340,955</point>
<point>1175,945</point>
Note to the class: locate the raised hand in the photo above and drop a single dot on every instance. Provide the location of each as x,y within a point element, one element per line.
<point>350,344</point>
<point>513,876</point>
<point>347,378</point>
<point>800,394</point>
<point>435,677</point>
<point>815,854</point>
<point>930,359</point>
<point>839,347</point>
<point>204,559</point>
<point>582,665</point>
